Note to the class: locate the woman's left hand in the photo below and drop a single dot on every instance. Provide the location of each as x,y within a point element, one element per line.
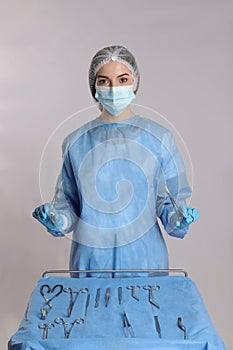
<point>189,215</point>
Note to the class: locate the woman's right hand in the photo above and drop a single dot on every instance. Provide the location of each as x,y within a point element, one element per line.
<point>48,216</point>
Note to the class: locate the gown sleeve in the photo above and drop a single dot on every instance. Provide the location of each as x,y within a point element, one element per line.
<point>66,199</point>
<point>173,175</point>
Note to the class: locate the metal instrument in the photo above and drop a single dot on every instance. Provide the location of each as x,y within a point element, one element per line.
<point>120,295</point>
<point>107,296</point>
<point>182,327</point>
<point>133,291</point>
<point>151,293</point>
<point>50,290</point>
<point>68,326</point>
<point>87,303</point>
<point>45,327</point>
<point>46,289</point>
<point>127,326</point>
<point>97,298</point>
<point>157,326</point>
<point>73,297</point>
<point>26,313</point>
<point>178,211</point>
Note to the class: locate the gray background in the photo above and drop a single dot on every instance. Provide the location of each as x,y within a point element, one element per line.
<point>184,51</point>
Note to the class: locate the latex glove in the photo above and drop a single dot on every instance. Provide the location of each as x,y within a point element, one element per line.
<point>190,215</point>
<point>48,216</point>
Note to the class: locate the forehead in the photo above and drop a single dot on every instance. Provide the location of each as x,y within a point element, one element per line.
<point>113,68</point>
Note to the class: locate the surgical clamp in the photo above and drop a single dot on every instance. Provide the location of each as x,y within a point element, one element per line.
<point>45,327</point>
<point>50,290</point>
<point>133,291</point>
<point>151,293</point>
<point>44,309</point>
<point>65,324</point>
<point>182,327</point>
<point>72,298</point>
<point>127,326</point>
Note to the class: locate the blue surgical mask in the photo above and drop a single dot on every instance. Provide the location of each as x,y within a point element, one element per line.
<point>115,98</point>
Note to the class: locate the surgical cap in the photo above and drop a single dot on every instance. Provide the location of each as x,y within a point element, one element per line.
<point>114,53</point>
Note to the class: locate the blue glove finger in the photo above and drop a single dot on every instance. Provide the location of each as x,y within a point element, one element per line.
<point>193,214</point>
<point>40,212</point>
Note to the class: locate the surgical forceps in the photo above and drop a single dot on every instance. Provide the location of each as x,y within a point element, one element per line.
<point>65,324</point>
<point>72,298</point>
<point>46,327</point>
<point>127,326</point>
<point>133,291</point>
<point>179,213</point>
<point>151,293</point>
<point>44,309</point>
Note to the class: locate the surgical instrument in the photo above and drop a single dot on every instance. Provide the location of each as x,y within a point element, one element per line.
<point>87,304</point>
<point>26,313</point>
<point>50,290</point>
<point>120,295</point>
<point>127,326</point>
<point>52,214</point>
<point>107,296</point>
<point>46,327</point>
<point>157,326</point>
<point>133,291</point>
<point>180,215</point>
<point>72,298</point>
<point>65,324</point>
<point>47,306</point>
<point>97,298</point>
<point>43,312</point>
<point>151,293</point>
<point>182,327</point>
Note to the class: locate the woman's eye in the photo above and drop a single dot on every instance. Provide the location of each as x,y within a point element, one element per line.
<point>103,82</point>
<point>123,80</point>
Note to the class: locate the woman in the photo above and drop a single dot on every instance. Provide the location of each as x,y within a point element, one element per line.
<point>118,174</point>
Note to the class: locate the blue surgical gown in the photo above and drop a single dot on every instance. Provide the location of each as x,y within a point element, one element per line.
<point>111,191</point>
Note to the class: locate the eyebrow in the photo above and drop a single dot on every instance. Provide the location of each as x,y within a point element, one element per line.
<point>119,76</point>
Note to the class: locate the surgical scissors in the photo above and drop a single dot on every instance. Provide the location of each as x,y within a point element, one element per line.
<point>151,293</point>
<point>45,327</point>
<point>177,209</point>
<point>65,324</point>
<point>127,326</point>
<point>72,298</point>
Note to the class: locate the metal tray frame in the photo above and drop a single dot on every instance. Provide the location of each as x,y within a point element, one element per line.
<point>154,271</point>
